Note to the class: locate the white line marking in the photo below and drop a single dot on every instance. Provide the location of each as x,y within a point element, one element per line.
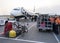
<point>6,38</point>
<point>29,41</point>
<point>28,29</point>
<point>31,26</point>
<point>56,37</point>
<point>21,40</point>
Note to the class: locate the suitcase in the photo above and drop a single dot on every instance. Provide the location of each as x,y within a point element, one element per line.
<point>18,32</point>
<point>12,34</point>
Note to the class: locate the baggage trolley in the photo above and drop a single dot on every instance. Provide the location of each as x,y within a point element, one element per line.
<point>43,22</point>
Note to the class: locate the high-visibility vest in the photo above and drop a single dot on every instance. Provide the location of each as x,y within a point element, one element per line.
<point>12,33</point>
<point>57,21</point>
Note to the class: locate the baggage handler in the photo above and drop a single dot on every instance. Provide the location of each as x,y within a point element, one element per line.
<point>7,28</point>
<point>57,25</point>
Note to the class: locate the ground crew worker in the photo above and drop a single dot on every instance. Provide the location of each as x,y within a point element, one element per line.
<point>8,27</point>
<point>57,22</point>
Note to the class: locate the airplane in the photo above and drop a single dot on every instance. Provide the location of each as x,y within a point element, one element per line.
<point>22,13</point>
<point>19,13</point>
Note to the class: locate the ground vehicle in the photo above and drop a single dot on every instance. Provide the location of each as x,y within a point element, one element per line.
<point>2,21</point>
<point>12,20</point>
<point>44,18</point>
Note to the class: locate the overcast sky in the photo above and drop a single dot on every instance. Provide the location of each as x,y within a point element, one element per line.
<point>41,6</point>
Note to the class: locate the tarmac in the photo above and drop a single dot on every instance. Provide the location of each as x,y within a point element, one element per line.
<point>32,36</point>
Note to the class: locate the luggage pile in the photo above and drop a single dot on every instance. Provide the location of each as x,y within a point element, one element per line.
<point>14,33</point>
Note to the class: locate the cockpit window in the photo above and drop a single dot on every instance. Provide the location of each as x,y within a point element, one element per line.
<point>15,9</point>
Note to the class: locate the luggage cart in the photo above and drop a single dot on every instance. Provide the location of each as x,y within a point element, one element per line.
<point>20,29</point>
<point>47,25</point>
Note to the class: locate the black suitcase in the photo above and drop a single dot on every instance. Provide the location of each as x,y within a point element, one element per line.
<point>18,32</point>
